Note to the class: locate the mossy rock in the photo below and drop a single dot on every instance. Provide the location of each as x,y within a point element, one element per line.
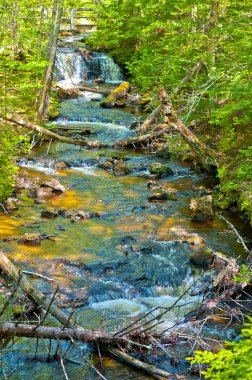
<point>157,194</point>
<point>161,170</point>
<point>202,258</point>
<point>119,93</point>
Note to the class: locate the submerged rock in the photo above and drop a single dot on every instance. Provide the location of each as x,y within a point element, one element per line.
<point>157,194</point>
<point>202,209</point>
<point>55,185</point>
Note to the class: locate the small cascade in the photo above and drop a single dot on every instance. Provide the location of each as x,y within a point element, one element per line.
<point>73,69</point>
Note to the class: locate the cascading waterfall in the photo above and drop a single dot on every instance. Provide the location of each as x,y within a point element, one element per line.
<point>73,69</point>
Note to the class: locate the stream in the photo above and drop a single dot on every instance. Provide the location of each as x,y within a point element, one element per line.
<point>133,254</point>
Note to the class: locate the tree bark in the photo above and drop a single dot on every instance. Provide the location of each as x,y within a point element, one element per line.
<point>143,139</point>
<point>45,132</point>
<point>203,154</point>
<point>48,76</point>
<point>24,330</point>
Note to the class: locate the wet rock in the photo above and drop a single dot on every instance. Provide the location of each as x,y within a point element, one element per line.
<point>161,170</point>
<point>202,258</point>
<point>49,214</point>
<point>59,227</point>
<point>31,239</point>
<point>153,185</point>
<point>55,185</point>
<point>120,169</point>
<point>23,183</point>
<point>127,240</point>
<point>99,80</point>
<point>157,194</point>
<point>60,165</point>
<point>202,209</point>
<point>11,204</point>
<point>78,214</point>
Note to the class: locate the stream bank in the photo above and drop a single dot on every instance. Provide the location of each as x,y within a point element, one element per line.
<point>134,254</point>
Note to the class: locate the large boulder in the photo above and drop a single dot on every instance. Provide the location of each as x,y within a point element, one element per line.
<point>55,185</point>
<point>202,209</point>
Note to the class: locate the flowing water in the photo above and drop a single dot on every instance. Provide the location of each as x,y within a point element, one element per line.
<point>115,267</point>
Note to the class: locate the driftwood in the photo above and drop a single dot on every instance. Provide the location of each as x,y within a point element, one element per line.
<point>118,93</point>
<point>44,132</point>
<point>66,320</point>
<point>200,66</point>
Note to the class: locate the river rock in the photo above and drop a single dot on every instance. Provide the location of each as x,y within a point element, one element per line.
<point>60,165</point>
<point>31,239</point>
<point>55,185</point>
<point>11,204</point>
<point>49,214</point>
<point>161,170</point>
<point>202,258</point>
<point>157,194</point>
<point>202,209</point>
<point>120,169</point>
<point>99,80</point>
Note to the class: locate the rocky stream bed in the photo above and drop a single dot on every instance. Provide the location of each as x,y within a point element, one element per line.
<point>113,231</point>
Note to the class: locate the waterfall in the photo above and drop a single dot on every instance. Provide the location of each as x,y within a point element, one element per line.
<point>72,69</point>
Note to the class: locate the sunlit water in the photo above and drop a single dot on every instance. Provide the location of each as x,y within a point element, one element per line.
<point>117,266</point>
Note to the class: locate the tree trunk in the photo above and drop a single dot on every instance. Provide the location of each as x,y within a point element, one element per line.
<point>44,98</point>
<point>45,132</point>
<point>200,66</point>
<point>24,330</point>
<point>203,154</point>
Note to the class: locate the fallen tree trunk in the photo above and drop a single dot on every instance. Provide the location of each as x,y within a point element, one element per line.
<point>94,90</point>
<point>63,318</point>
<point>23,330</point>
<point>44,132</point>
<point>119,93</point>
<point>143,128</point>
<point>141,140</point>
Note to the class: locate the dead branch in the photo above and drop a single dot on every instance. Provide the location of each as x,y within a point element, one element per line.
<point>43,131</point>
<point>200,66</point>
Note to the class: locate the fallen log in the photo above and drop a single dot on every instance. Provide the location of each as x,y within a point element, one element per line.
<point>204,155</point>
<point>118,93</point>
<point>200,66</point>
<point>94,90</point>
<point>43,131</point>
<point>63,318</point>
<point>144,139</point>
<point>47,332</point>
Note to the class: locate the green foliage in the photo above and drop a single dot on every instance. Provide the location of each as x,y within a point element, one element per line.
<point>11,144</point>
<point>233,362</point>
<point>244,274</point>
